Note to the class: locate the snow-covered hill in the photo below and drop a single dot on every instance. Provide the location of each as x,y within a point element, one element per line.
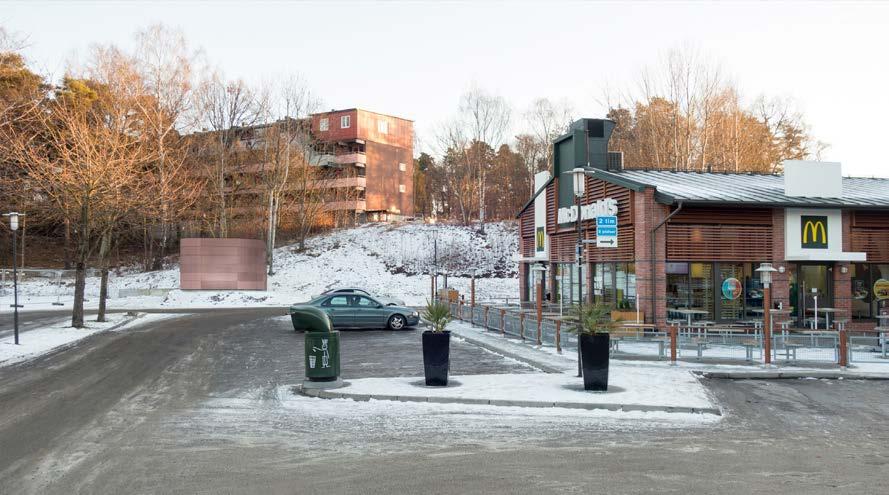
<point>391,261</point>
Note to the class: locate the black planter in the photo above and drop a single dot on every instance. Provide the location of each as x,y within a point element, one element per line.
<point>436,357</point>
<point>594,350</point>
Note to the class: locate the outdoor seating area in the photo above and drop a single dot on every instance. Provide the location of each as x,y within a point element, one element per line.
<point>697,339</point>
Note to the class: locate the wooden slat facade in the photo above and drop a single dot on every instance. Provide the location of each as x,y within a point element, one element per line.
<point>870,219</point>
<point>870,234</point>
<point>720,234</point>
<point>874,242</point>
<point>722,216</point>
<point>563,240</point>
<point>526,232</point>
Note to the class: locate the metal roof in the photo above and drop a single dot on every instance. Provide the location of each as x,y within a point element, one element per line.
<point>744,189</point>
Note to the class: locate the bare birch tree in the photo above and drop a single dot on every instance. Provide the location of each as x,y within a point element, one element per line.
<point>226,108</point>
<point>166,66</point>
<point>287,140</point>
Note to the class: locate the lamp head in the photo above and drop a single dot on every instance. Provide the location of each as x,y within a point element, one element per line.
<point>579,181</point>
<point>13,219</point>
<point>765,271</point>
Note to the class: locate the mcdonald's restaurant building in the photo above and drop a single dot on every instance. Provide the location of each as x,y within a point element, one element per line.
<point>662,243</point>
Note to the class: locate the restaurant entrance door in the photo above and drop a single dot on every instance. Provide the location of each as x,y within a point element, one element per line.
<point>811,285</point>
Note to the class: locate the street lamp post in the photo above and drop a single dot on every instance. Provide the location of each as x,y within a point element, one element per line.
<point>541,269</point>
<point>579,189</point>
<point>765,273</point>
<point>14,227</point>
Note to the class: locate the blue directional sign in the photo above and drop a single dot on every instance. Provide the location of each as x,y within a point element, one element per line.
<point>606,232</point>
<point>610,221</point>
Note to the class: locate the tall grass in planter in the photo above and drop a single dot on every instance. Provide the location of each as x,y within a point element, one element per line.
<point>593,329</point>
<point>437,344</point>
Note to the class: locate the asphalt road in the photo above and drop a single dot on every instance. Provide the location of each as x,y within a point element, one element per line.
<point>202,404</point>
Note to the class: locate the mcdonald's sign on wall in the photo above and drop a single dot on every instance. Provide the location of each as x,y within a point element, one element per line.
<point>813,232</point>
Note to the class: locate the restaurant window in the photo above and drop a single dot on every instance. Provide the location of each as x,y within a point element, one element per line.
<point>701,289</point>
<point>615,284</point>
<point>753,291</point>
<point>720,291</point>
<point>870,290</point>
<point>730,282</point>
<point>567,278</point>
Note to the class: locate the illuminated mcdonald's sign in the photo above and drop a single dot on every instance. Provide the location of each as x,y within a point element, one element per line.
<point>814,232</point>
<point>540,240</point>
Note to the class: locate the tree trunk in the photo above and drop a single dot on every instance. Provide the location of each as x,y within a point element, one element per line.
<point>67,248</point>
<point>270,237</point>
<point>104,248</point>
<point>83,240</point>
<point>79,285</point>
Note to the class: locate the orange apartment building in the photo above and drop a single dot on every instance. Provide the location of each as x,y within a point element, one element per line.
<point>376,151</point>
<point>365,162</point>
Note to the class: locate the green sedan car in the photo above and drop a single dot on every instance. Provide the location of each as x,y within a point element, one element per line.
<point>358,311</point>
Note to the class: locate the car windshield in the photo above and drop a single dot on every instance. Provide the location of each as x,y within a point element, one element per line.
<point>316,300</point>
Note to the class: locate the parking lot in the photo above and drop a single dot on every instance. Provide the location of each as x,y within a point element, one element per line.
<point>202,404</point>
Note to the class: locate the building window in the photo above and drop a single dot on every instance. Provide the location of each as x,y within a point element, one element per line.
<point>722,291</point>
<point>383,126</point>
<point>401,188</point>
<point>615,284</point>
<point>870,290</point>
<point>402,167</point>
<point>345,121</point>
<point>324,124</point>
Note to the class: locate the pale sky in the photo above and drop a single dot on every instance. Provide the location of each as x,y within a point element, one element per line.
<point>414,59</point>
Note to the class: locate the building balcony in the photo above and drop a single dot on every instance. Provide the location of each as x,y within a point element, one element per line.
<point>357,159</point>
<point>356,182</point>
<point>356,205</point>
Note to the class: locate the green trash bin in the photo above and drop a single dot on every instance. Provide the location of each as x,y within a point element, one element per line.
<point>322,347</point>
<point>322,356</point>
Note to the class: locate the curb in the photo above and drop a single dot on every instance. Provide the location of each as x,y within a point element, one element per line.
<point>73,343</point>
<point>534,363</point>
<point>790,375</point>
<point>339,394</point>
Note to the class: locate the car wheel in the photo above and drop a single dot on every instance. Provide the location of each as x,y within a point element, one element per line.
<point>396,322</point>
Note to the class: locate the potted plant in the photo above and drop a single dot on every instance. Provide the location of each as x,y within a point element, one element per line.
<point>623,311</point>
<point>594,325</point>
<point>437,344</point>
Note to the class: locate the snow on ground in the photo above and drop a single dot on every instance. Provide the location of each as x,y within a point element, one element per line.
<point>490,419</point>
<point>390,261</point>
<point>44,340</point>
<point>648,386</point>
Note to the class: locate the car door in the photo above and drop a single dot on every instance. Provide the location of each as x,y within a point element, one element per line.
<point>339,310</point>
<point>369,313</point>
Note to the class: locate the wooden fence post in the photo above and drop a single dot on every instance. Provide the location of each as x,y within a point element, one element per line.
<point>673,344</point>
<point>844,349</point>
<point>503,322</point>
<point>559,336</point>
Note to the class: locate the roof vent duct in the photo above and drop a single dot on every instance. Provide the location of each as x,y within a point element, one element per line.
<point>597,132</point>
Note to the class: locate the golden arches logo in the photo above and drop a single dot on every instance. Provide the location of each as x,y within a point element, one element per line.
<point>814,232</point>
<point>540,240</point>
